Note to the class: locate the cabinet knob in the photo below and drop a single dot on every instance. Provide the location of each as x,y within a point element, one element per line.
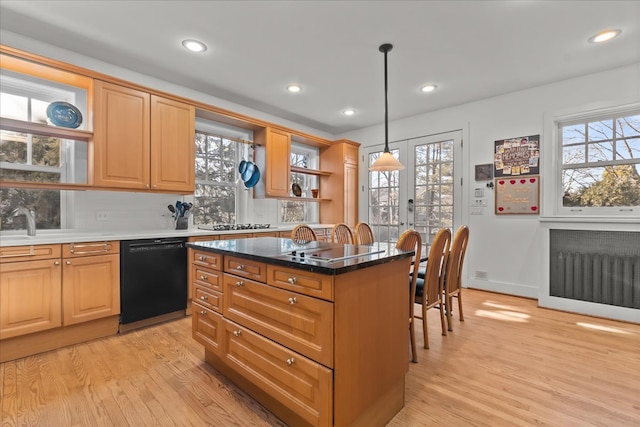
<point>203,277</point>
<point>239,283</point>
<point>200,258</point>
<point>68,262</point>
<point>203,297</point>
<point>203,313</point>
<point>292,280</point>
<point>293,300</point>
<point>237,333</point>
<point>291,361</point>
<point>240,267</point>
<point>56,263</point>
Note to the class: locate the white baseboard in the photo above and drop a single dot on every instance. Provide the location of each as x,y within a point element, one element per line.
<point>504,288</point>
<point>591,309</point>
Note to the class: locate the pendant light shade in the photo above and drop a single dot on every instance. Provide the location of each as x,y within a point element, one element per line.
<point>386,162</point>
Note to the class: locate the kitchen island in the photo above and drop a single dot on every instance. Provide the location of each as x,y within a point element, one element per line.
<point>316,332</point>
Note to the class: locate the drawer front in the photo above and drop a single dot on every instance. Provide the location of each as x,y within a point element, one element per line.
<point>206,328</point>
<point>305,282</point>
<point>207,278</point>
<point>29,253</point>
<point>296,321</point>
<point>206,259</point>
<point>300,384</point>
<point>245,268</point>
<point>202,238</point>
<point>74,250</point>
<point>208,298</point>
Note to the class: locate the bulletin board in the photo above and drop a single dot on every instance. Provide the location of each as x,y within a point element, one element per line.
<point>518,195</point>
<point>517,156</point>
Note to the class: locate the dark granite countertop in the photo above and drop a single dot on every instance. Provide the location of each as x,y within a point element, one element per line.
<point>320,257</point>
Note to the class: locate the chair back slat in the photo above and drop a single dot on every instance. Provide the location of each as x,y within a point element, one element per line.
<point>411,240</point>
<point>302,233</point>
<point>456,259</point>
<point>364,234</point>
<point>341,233</point>
<point>436,266</point>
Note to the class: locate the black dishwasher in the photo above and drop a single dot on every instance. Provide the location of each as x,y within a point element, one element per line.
<point>153,278</point>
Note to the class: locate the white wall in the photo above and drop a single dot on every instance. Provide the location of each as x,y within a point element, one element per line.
<point>510,248</point>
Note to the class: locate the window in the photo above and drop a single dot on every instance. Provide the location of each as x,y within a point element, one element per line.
<point>600,168</point>
<point>216,188</point>
<point>292,211</point>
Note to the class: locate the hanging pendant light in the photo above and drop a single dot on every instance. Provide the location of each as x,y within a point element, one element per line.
<point>386,162</point>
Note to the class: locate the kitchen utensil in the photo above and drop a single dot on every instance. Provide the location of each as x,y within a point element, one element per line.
<point>242,167</point>
<point>248,171</point>
<point>297,191</point>
<point>171,209</point>
<point>255,176</point>
<point>179,211</point>
<point>64,114</point>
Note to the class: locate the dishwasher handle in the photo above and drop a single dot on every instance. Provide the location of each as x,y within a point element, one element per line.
<point>159,245</point>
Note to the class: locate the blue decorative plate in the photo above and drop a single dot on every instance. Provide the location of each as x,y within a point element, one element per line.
<point>64,114</point>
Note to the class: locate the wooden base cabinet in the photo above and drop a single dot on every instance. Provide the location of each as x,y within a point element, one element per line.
<point>30,297</point>
<point>315,349</point>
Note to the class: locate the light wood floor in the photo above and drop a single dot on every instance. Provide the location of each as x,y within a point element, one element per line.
<point>509,364</point>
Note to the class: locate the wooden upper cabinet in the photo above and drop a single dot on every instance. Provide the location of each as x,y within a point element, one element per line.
<point>341,159</point>
<point>121,146</point>
<point>142,141</point>
<point>273,158</point>
<point>172,145</point>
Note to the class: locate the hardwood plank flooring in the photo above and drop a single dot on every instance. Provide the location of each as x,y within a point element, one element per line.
<point>509,363</point>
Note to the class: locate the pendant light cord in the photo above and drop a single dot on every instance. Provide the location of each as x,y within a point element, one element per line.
<point>386,48</point>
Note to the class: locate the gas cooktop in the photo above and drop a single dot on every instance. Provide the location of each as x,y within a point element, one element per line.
<point>227,227</point>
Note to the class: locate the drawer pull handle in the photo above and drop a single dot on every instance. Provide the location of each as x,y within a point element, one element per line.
<point>200,258</point>
<point>237,333</point>
<point>293,300</point>
<point>203,313</point>
<point>239,283</point>
<point>203,277</point>
<point>68,262</point>
<point>292,280</point>
<point>203,297</point>
<point>56,263</point>
<point>291,361</point>
<point>240,267</point>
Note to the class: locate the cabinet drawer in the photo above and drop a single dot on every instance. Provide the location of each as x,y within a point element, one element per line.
<point>206,259</point>
<point>298,383</point>
<point>207,278</point>
<point>246,268</point>
<point>206,328</point>
<point>208,298</point>
<point>202,238</point>
<point>29,253</point>
<point>304,282</point>
<point>296,321</point>
<point>74,250</point>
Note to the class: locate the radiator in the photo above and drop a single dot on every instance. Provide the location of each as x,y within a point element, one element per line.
<point>588,267</point>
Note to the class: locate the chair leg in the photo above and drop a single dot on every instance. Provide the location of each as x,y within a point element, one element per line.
<point>442,322</point>
<point>460,304</point>
<point>425,329</point>
<point>412,335</point>
<point>449,304</point>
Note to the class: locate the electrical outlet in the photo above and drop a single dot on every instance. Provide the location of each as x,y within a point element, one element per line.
<point>102,216</point>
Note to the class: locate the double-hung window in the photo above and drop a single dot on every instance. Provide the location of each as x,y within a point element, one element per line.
<point>600,166</point>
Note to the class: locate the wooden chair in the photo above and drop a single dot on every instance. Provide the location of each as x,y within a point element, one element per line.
<point>410,240</point>
<point>428,291</point>
<point>364,234</point>
<point>341,233</point>
<point>453,279</point>
<point>302,233</point>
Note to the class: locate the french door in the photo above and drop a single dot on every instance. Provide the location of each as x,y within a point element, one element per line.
<point>425,196</point>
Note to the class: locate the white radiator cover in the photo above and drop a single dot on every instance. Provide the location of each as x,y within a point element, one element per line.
<point>600,267</point>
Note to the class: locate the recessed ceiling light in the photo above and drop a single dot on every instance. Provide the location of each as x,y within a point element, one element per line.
<point>348,112</point>
<point>604,36</point>
<point>294,88</point>
<point>428,88</point>
<point>194,45</point>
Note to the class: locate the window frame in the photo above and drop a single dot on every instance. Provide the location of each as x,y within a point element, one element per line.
<point>552,167</point>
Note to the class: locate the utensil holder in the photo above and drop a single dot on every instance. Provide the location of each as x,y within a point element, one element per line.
<point>182,223</point>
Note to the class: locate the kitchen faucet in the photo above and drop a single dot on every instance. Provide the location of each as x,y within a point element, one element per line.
<point>31,219</point>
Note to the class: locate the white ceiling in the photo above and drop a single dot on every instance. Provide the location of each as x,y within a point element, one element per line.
<point>470,49</point>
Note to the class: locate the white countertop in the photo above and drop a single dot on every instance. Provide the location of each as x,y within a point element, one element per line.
<point>76,236</point>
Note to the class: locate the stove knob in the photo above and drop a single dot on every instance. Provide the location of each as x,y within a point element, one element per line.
<point>293,253</point>
<point>301,254</point>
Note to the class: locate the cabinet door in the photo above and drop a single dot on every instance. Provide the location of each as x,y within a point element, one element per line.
<point>207,326</point>
<point>121,146</point>
<point>31,298</point>
<point>277,154</point>
<point>172,145</point>
<point>91,288</point>
<point>351,194</point>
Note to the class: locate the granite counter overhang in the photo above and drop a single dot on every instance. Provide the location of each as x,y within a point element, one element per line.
<point>278,251</point>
